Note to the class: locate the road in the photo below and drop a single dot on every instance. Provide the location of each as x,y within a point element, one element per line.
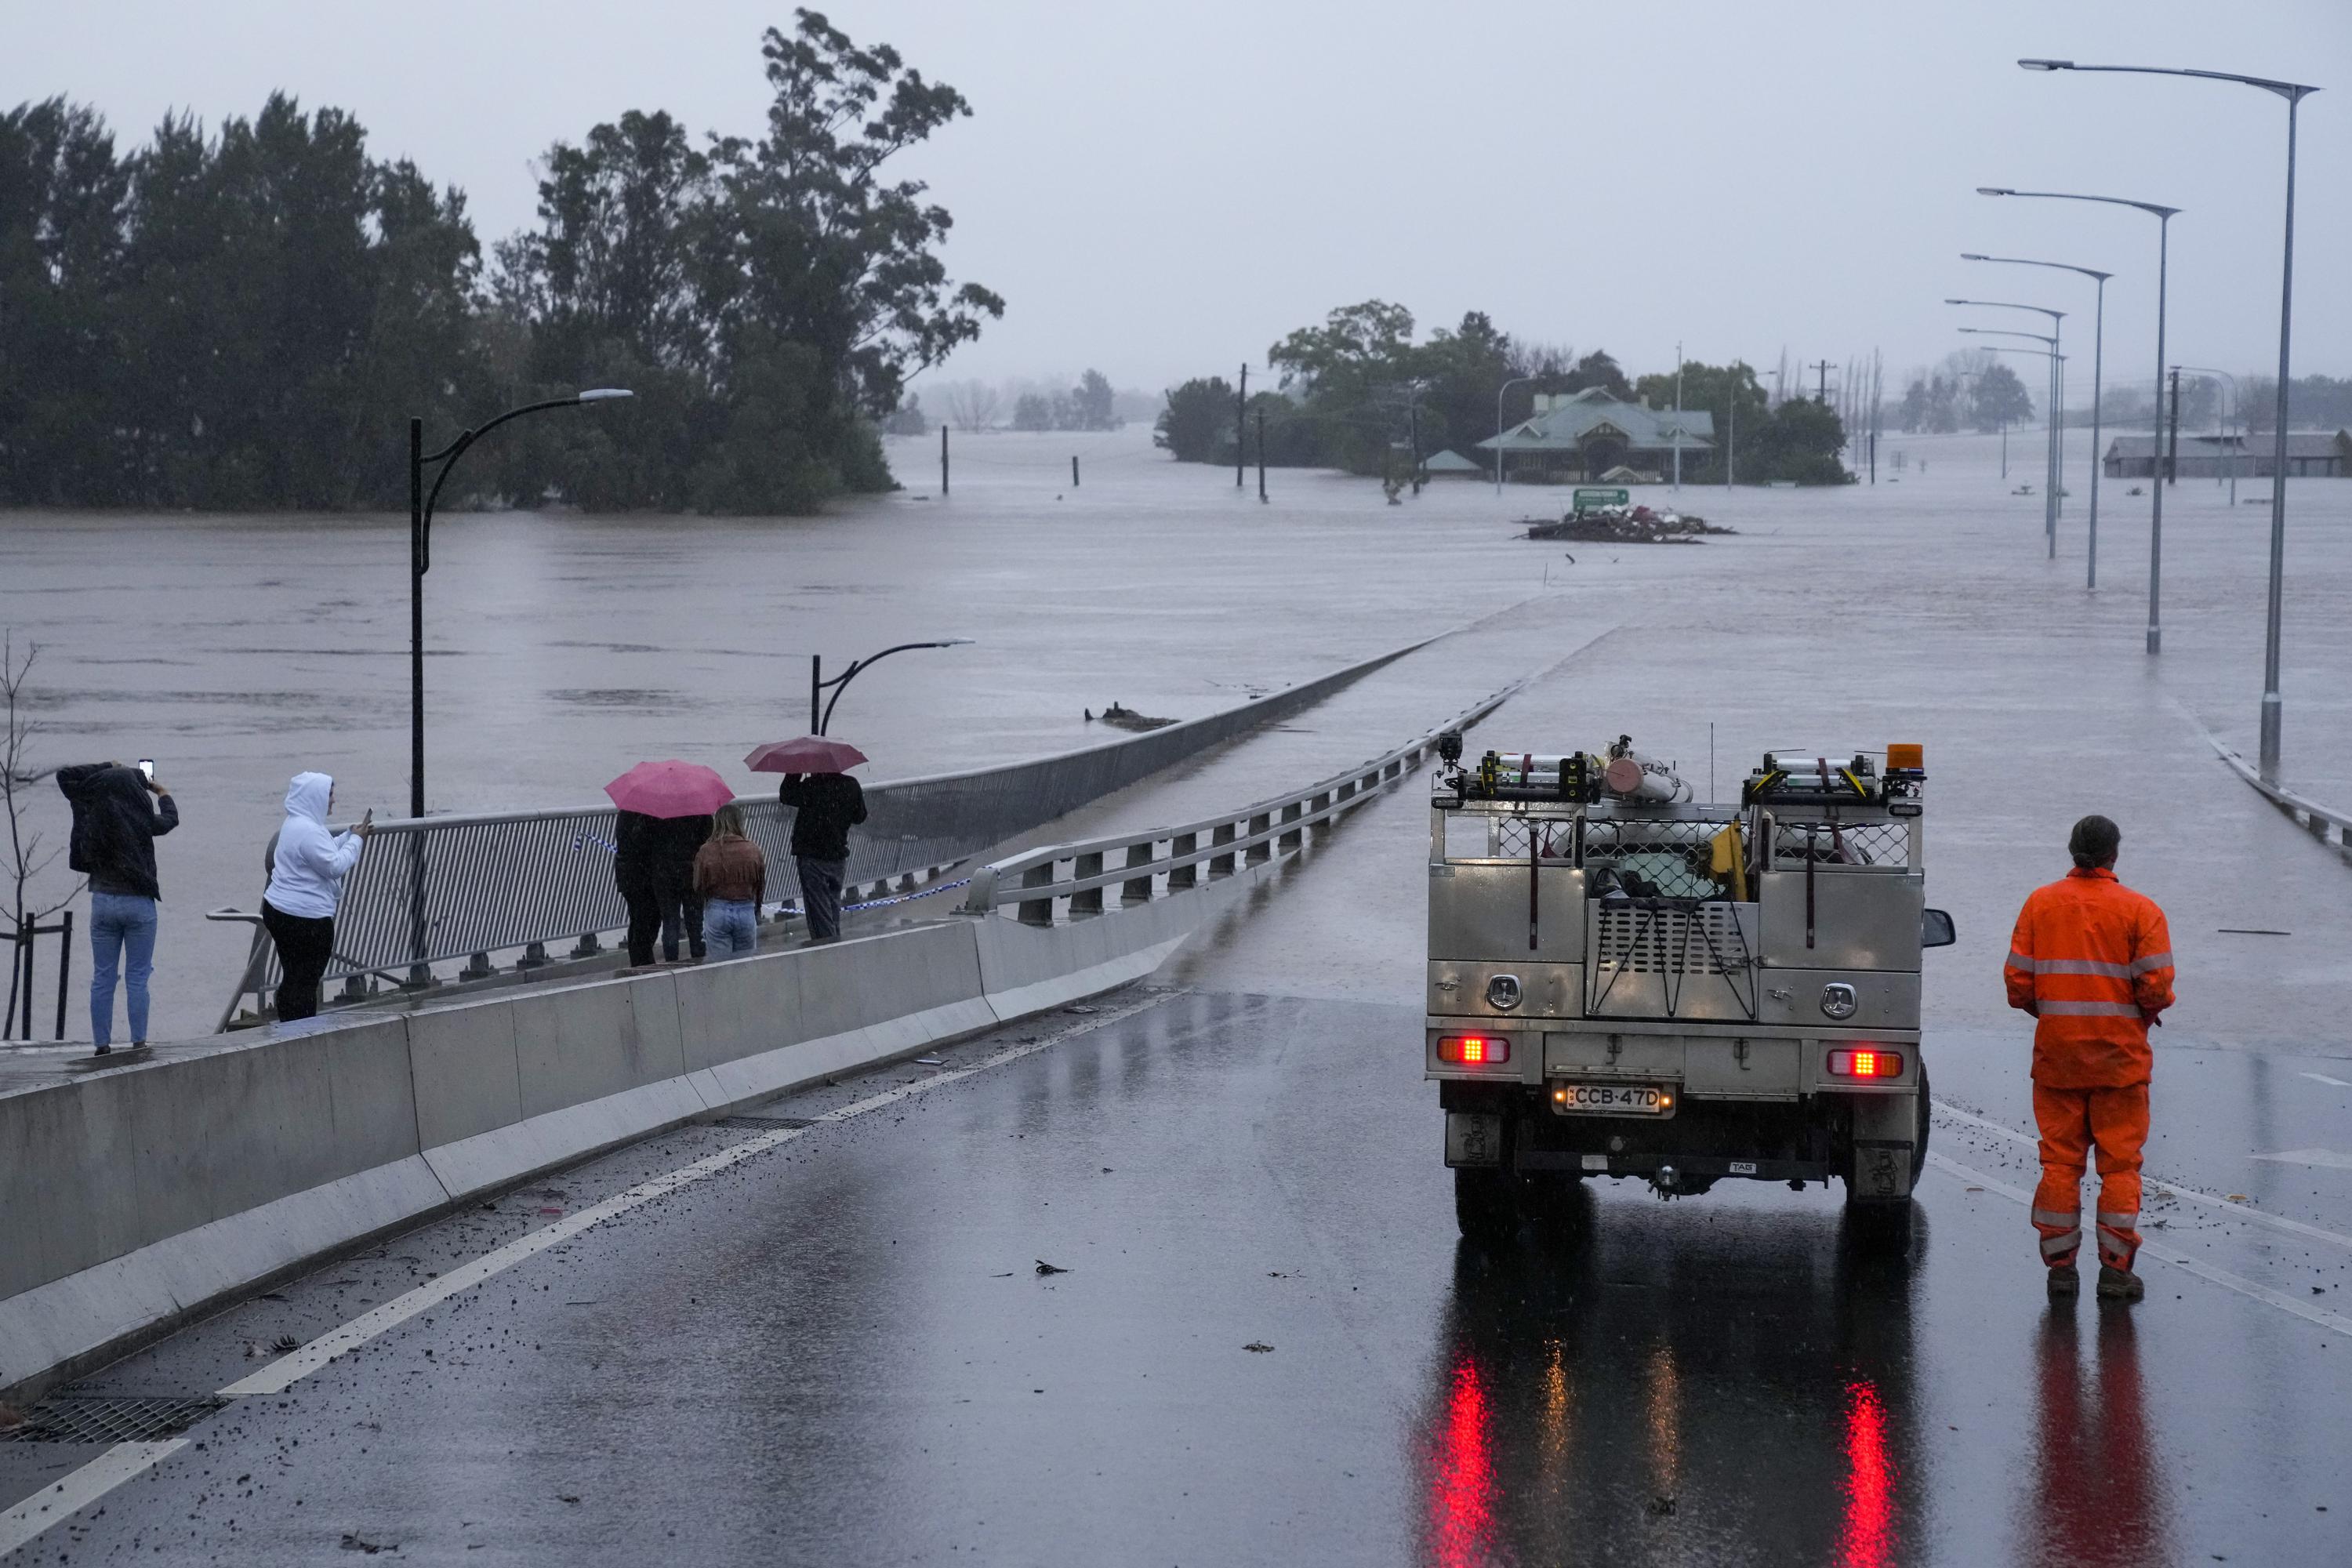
<point>832,1343</point>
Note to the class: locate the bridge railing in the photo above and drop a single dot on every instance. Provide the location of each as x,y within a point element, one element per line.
<point>1070,880</point>
<point>471,888</point>
<point>2313,817</point>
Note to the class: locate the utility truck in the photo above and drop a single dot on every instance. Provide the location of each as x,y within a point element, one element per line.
<point>1625,982</point>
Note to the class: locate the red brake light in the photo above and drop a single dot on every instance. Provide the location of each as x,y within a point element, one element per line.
<point>1870,1062</point>
<point>1473,1051</point>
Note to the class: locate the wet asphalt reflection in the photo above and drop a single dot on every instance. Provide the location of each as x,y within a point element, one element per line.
<point>1267,1346</point>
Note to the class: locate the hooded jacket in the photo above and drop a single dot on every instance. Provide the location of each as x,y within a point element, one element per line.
<point>115,825</point>
<point>308,867</point>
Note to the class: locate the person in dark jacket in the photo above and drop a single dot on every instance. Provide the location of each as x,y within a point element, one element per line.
<point>653,866</point>
<point>826,806</point>
<point>118,815</point>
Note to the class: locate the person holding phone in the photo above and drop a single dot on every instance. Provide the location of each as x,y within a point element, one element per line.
<point>307,867</point>
<point>118,815</point>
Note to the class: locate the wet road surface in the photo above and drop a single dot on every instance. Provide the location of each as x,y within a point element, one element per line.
<point>841,1350</point>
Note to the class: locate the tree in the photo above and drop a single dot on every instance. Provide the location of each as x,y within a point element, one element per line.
<point>1091,404</point>
<point>1197,425</point>
<point>1597,369</point>
<point>1999,398</point>
<point>1801,441</point>
<point>1357,348</point>
<point>907,418</point>
<point>971,405</point>
<point>26,857</point>
<point>1032,413</point>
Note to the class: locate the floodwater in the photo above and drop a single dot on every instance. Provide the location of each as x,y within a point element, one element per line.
<point>237,650</point>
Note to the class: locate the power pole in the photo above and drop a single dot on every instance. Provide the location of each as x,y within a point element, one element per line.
<point>2172,454</point>
<point>1822,395</point>
<point>1678,416</point>
<point>1413,413</point>
<point>1260,454</point>
<point>943,460</point>
<point>1241,428</point>
<point>1731,440</point>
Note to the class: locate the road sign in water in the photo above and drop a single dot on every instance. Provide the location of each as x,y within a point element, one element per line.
<point>1588,500</point>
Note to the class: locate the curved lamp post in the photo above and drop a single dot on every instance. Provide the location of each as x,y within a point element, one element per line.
<point>2294,93</point>
<point>2163,216</point>
<point>1515,381</point>
<point>2054,468</point>
<point>420,553</point>
<point>2098,373</point>
<point>820,718</point>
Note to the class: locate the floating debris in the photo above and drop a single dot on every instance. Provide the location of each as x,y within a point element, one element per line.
<point>1626,525</point>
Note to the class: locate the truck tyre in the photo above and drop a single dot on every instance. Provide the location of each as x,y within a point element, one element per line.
<point>1486,1204</point>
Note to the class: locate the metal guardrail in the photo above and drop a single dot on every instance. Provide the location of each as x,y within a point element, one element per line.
<point>471,886</point>
<point>1035,885</point>
<point>2310,816</point>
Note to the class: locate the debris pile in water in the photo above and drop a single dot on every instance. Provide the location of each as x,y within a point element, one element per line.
<point>1627,525</point>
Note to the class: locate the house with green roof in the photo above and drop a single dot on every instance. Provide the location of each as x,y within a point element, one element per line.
<point>1583,435</point>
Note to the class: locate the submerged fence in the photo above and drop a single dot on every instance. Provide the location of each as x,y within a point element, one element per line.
<point>450,887</point>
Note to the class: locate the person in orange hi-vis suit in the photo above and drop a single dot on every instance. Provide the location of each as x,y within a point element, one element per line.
<point>2092,961</point>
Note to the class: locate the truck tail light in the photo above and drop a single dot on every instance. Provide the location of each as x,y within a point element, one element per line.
<point>1473,1051</point>
<point>1866,1062</point>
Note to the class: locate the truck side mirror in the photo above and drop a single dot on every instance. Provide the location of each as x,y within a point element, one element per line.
<point>1936,929</point>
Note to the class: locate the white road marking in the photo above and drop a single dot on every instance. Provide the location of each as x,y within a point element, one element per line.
<point>2323,1077</point>
<point>58,1502</point>
<point>2310,1232</point>
<point>2181,1260</point>
<point>2327,1157</point>
<point>124,1460</point>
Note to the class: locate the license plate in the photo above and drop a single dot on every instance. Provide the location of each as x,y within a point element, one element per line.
<point>1611,1100</point>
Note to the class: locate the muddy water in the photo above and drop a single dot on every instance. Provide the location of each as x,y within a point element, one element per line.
<point>235,650</point>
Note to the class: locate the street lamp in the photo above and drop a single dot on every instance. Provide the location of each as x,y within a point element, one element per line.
<point>420,553</point>
<point>818,719</point>
<point>2237,410</point>
<point>2098,370</point>
<point>2294,93</point>
<point>2163,216</point>
<point>1515,381</point>
<point>2056,468</point>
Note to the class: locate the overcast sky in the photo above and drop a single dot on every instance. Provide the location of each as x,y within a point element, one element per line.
<point>1163,190</point>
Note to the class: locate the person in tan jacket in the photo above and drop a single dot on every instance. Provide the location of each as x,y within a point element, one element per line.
<point>730,876</point>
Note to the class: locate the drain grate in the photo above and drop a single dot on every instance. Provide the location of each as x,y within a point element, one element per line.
<point>108,1420</point>
<point>765,1123</point>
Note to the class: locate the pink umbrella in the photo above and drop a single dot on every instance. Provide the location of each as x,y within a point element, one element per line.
<point>809,755</point>
<point>670,789</point>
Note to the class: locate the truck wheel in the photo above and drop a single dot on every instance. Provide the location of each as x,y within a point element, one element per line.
<point>1920,1140</point>
<point>1485,1205</point>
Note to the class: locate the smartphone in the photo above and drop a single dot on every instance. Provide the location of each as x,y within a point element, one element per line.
<point>147,767</point>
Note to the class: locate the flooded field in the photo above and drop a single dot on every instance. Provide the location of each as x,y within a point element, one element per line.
<point>235,650</point>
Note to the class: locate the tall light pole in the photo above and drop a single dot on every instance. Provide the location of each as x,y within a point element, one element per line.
<point>2294,93</point>
<point>420,553</point>
<point>1515,381</point>
<point>1678,417</point>
<point>2163,216</point>
<point>821,717</point>
<point>2237,409</point>
<point>2056,467</point>
<point>2098,370</point>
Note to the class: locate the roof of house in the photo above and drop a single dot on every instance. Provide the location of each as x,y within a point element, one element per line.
<point>2299,444</point>
<point>1449,462</point>
<point>1574,420</point>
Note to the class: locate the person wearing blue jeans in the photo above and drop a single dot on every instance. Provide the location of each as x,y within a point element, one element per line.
<point>115,825</point>
<point>731,878</point>
<point>121,928</point>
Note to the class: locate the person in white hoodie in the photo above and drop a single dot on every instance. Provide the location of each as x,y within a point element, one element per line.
<point>307,867</point>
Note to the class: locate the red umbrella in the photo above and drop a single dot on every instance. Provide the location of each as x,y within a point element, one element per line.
<point>670,789</point>
<point>809,755</point>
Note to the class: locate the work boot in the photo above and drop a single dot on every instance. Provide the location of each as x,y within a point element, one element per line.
<point>2064,1283</point>
<point>2119,1285</point>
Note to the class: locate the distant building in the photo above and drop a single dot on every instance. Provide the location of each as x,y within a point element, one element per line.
<point>1583,435</point>
<point>2310,454</point>
<point>1451,465</point>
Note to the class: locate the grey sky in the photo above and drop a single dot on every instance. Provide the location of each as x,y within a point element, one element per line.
<point>1164,190</point>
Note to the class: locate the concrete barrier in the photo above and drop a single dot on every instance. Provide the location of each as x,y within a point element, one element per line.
<point>135,1198</point>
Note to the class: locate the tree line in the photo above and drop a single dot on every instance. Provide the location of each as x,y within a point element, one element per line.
<point>1356,389</point>
<point>248,318</point>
